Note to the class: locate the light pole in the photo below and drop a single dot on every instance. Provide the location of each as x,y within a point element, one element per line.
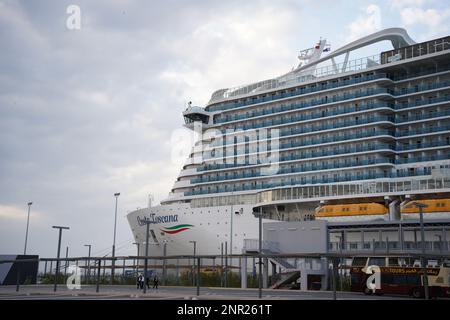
<point>221,264</point>
<point>164,262</point>
<point>193,276</point>
<point>58,253</point>
<point>26,233</point>
<point>260,282</point>
<point>420,206</point>
<point>422,235</point>
<point>340,260</point>
<point>66,264</point>
<point>114,239</point>
<point>147,222</point>
<point>137,265</point>
<point>231,228</point>
<point>89,263</point>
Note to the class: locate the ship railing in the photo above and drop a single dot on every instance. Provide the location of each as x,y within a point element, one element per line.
<point>393,186</point>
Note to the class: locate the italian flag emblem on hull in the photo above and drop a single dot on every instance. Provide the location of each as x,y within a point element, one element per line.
<point>176,229</point>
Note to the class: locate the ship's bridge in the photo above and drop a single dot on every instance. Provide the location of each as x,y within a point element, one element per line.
<point>194,114</point>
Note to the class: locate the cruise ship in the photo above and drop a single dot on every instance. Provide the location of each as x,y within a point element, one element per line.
<point>336,138</point>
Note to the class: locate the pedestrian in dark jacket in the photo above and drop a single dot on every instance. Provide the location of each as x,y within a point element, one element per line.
<point>138,282</point>
<point>147,282</point>
<point>155,282</point>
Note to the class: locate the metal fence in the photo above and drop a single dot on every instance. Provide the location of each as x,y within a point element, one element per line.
<point>95,271</point>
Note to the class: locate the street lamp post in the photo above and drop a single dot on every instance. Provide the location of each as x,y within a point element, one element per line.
<point>147,222</point>
<point>193,276</point>
<point>26,233</point>
<point>221,264</point>
<point>58,253</point>
<point>164,262</point>
<point>136,265</point>
<point>340,260</point>
<point>420,206</point>
<point>260,282</point>
<point>422,235</point>
<point>114,239</point>
<point>231,229</point>
<point>89,263</point>
<point>66,264</point>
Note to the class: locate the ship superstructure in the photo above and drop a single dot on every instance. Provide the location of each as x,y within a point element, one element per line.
<point>367,131</point>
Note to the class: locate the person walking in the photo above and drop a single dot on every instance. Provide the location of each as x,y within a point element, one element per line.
<point>155,282</point>
<point>147,282</point>
<point>138,281</point>
<point>141,281</point>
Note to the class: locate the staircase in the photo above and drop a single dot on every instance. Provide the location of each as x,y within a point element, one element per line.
<point>279,261</point>
<point>285,278</point>
<point>270,248</point>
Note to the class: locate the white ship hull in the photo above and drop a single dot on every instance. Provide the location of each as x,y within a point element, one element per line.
<point>178,224</point>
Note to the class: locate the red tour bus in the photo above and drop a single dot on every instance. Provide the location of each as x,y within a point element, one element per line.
<point>401,276</point>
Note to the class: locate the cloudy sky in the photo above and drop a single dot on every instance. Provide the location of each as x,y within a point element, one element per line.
<point>88,112</point>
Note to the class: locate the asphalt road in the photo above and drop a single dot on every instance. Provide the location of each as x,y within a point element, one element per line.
<point>107,292</point>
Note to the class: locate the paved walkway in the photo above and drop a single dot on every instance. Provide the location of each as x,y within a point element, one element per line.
<point>107,292</point>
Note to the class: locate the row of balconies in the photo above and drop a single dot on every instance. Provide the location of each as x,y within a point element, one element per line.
<point>315,114</point>
<point>292,131</point>
<point>337,98</point>
<point>297,91</point>
<point>327,139</point>
<point>423,87</point>
<point>422,116</point>
<point>329,86</point>
<point>324,152</point>
<point>300,169</point>
<point>340,138</point>
<point>317,166</point>
<point>303,181</point>
<point>325,100</point>
<point>285,119</point>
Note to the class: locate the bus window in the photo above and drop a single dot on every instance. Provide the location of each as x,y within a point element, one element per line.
<point>432,263</point>
<point>359,262</point>
<point>393,262</point>
<point>377,261</point>
<point>402,262</point>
